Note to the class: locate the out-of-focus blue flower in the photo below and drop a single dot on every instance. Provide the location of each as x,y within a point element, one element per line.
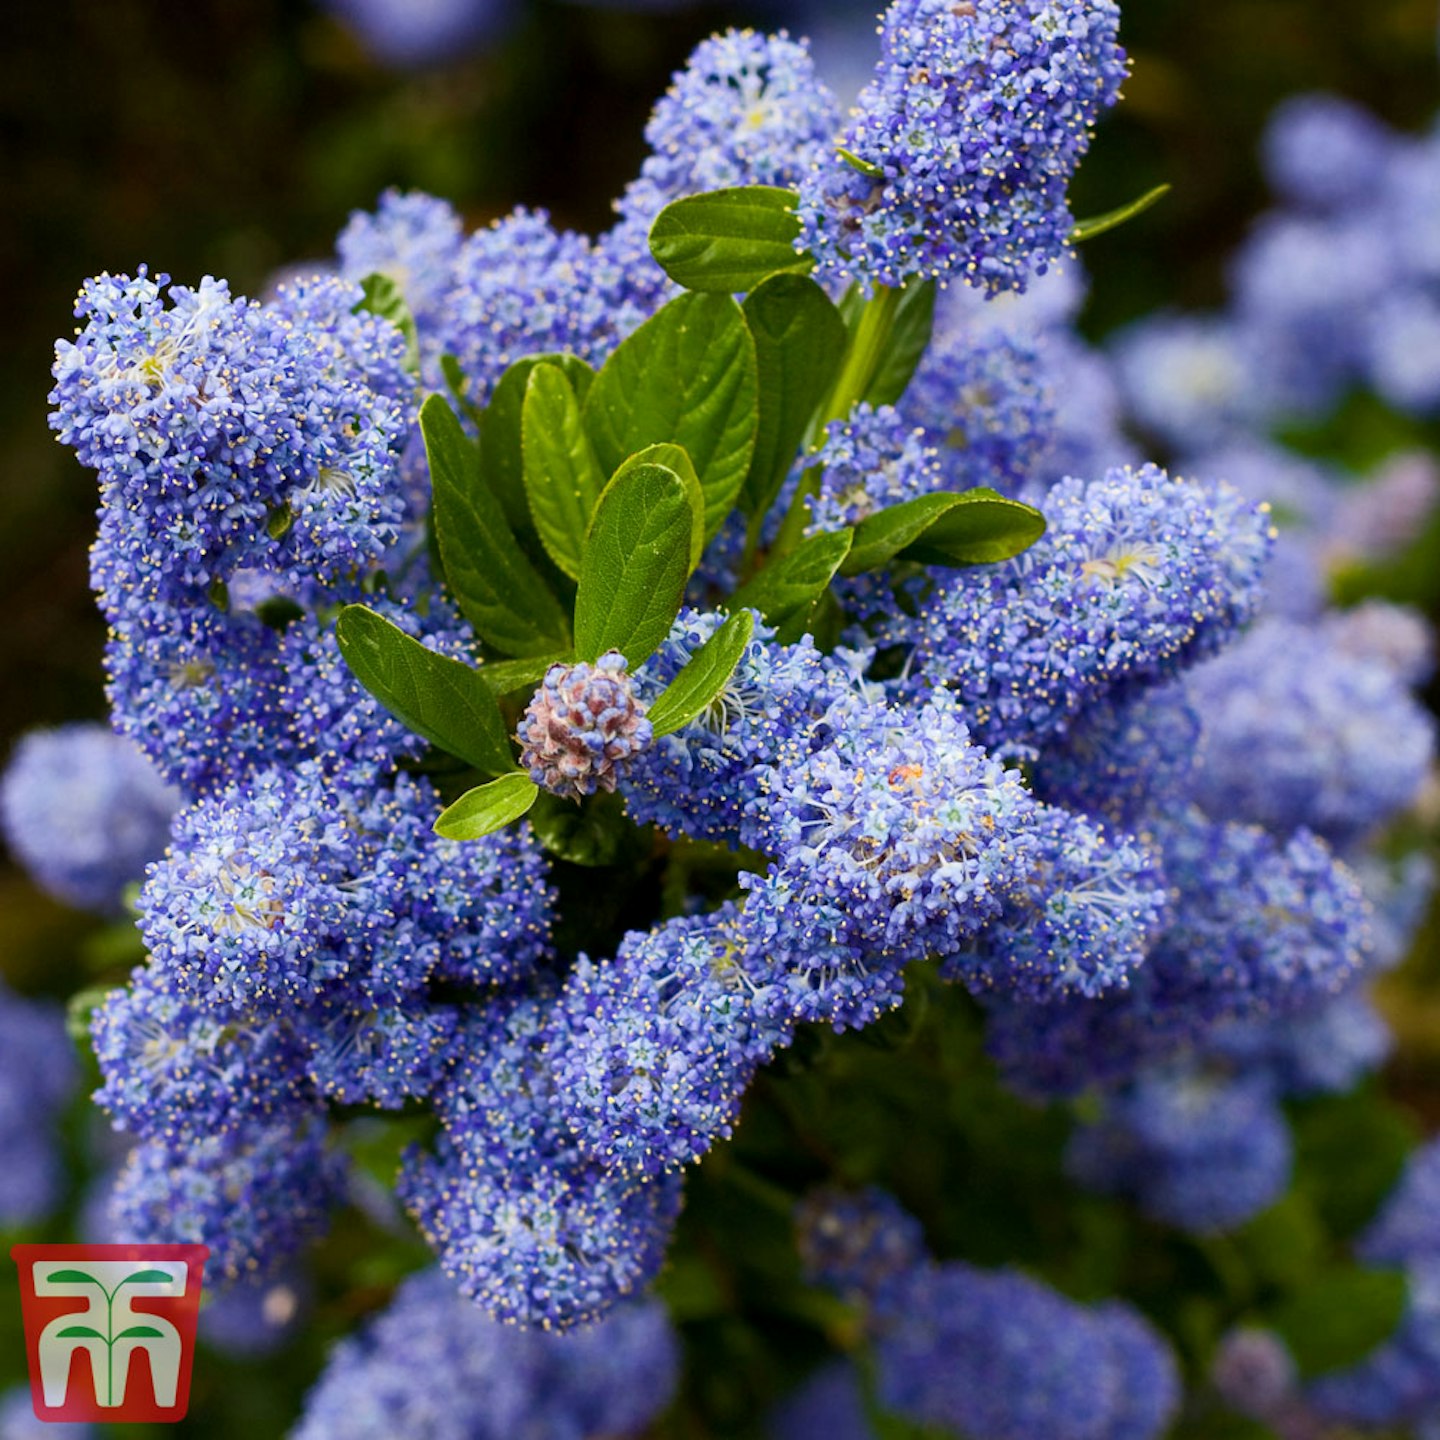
<point>999,1356</point>
<point>37,1078</point>
<point>1197,1151</point>
<point>828,1406</point>
<point>859,1245</point>
<point>255,1318</point>
<point>408,33</point>
<point>1253,1372</point>
<point>967,136</point>
<point>1186,380</point>
<point>254,1201</point>
<point>1124,758</point>
<point>1299,733</point>
<point>1324,152</point>
<point>18,1421</point>
<point>1259,926</point>
<point>431,1366</point>
<point>1080,923</point>
<point>84,811</point>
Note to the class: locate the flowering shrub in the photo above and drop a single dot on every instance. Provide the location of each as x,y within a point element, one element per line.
<point>593,678</point>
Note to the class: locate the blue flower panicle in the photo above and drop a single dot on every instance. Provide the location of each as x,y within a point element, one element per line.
<point>967,136</point>
<point>1138,575</point>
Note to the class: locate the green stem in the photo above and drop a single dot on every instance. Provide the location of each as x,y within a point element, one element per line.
<point>868,347</point>
<point>862,359</point>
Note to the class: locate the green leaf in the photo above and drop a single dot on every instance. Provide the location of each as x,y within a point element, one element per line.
<point>80,1007</point>
<point>637,560</point>
<point>964,527</point>
<point>73,1277</point>
<point>728,241</point>
<point>982,529</point>
<point>705,675</point>
<point>79,1332</point>
<point>441,699</point>
<point>687,377</point>
<point>498,590</point>
<point>505,677</point>
<point>458,384</point>
<point>910,333</point>
<point>148,1277</point>
<point>140,1332</point>
<point>1340,1316</point>
<point>786,592</point>
<point>799,345</point>
<point>383,297</point>
<point>502,455</point>
<point>563,480</point>
<point>1098,224</point>
<point>594,833</point>
<point>676,458</point>
<point>488,808</point>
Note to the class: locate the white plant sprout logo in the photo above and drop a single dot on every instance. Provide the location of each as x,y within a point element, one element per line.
<point>109,1330</point>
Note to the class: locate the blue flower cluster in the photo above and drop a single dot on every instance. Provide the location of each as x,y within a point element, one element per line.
<point>84,811</point>
<point>432,1367</point>
<point>965,138</point>
<point>38,1076</point>
<point>991,1354</point>
<point>1197,1151</point>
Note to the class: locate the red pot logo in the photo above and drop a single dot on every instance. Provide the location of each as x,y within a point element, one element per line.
<point>110,1329</point>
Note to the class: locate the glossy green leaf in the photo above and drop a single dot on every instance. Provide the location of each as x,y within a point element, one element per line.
<point>728,241</point>
<point>488,808</point>
<point>502,455</point>
<point>931,522</point>
<point>1338,1317</point>
<point>637,560</point>
<point>982,529</point>
<point>786,592</point>
<point>685,377</point>
<point>505,677</point>
<point>562,476</point>
<point>503,596</point>
<point>441,699</point>
<point>383,297</point>
<point>1098,224</point>
<point>705,675</point>
<point>799,345</point>
<point>458,384</point>
<point>676,458</point>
